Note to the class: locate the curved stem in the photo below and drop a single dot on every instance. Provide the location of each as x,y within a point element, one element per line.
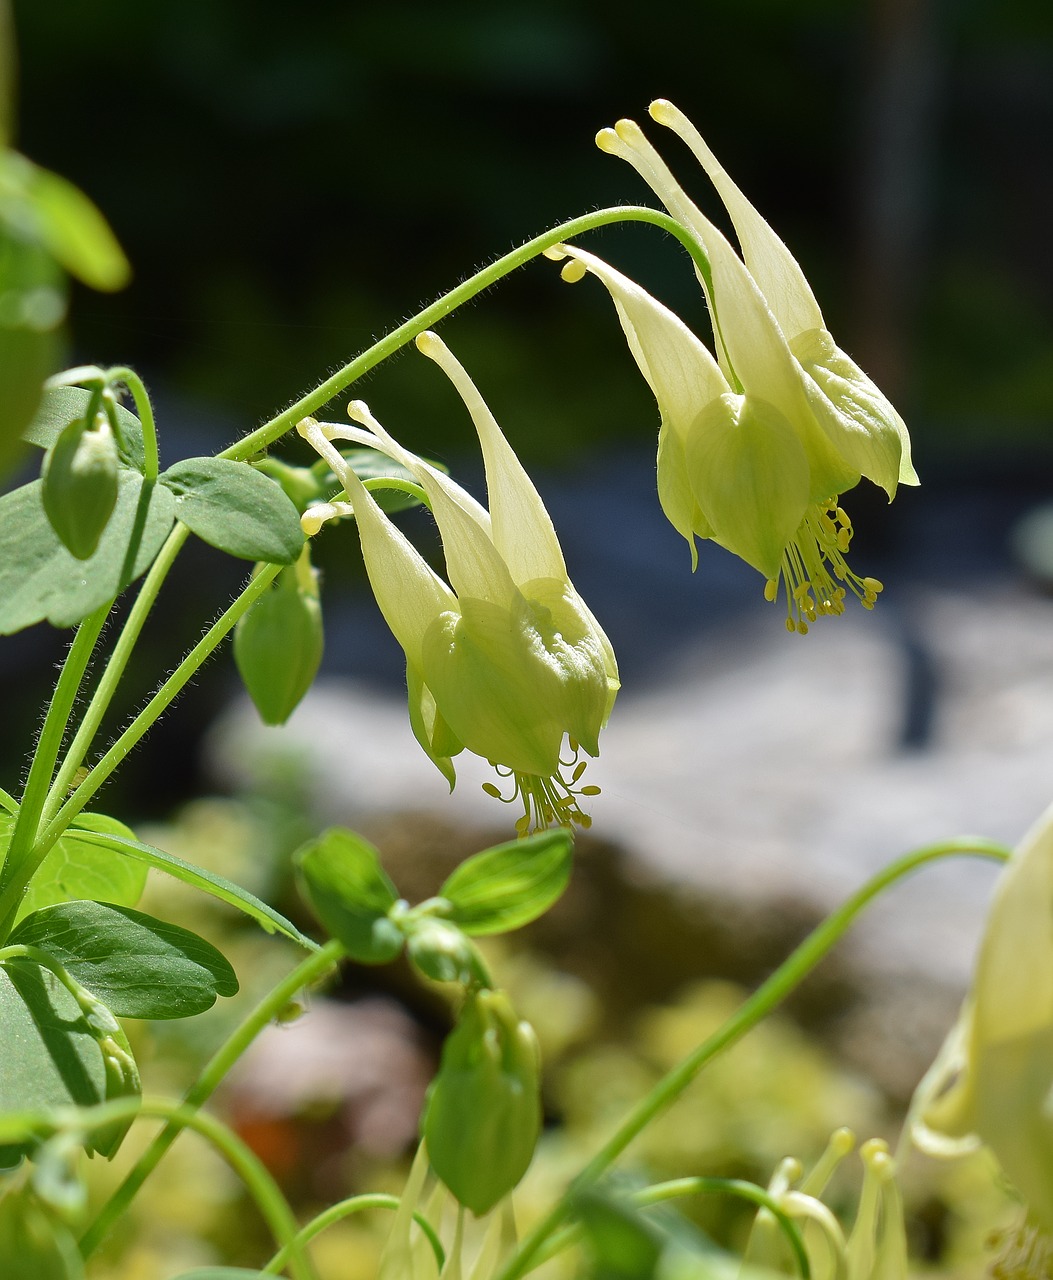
<point>306,973</point>
<point>662,1191</point>
<point>114,670</point>
<point>243,1160</point>
<point>144,408</point>
<point>271,431</point>
<point>343,1209</point>
<point>801,961</point>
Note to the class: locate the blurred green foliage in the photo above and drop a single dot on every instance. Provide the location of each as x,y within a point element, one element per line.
<point>289,183</point>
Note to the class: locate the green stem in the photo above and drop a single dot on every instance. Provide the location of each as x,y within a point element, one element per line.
<point>168,691</point>
<point>768,995</point>
<point>662,1191</point>
<point>115,668</point>
<point>337,1212</point>
<point>304,975</point>
<point>145,410</point>
<point>271,431</point>
<point>162,699</point>
<point>261,1186</point>
<point>49,744</point>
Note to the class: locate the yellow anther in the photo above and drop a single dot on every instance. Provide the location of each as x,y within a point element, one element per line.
<point>771,590</point>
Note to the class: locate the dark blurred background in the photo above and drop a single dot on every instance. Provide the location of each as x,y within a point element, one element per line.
<point>290,184</point>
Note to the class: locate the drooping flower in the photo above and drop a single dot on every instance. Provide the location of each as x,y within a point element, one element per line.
<point>506,659</point>
<point>992,1081</point>
<point>757,443</point>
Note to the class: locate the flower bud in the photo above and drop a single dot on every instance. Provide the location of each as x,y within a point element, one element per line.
<point>484,1112</point>
<point>442,952</point>
<point>278,643</point>
<point>80,484</point>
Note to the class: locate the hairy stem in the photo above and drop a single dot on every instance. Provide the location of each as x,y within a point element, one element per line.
<point>306,973</point>
<point>115,669</point>
<point>56,722</point>
<point>483,279</point>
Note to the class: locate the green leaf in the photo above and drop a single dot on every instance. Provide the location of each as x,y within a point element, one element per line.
<point>77,867</point>
<point>8,802</point>
<point>32,306</point>
<point>372,465</point>
<point>60,406</point>
<point>76,234</point>
<point>236,508</point>
<point>351,895</point>
<point>506,887</point>
<point>138,966</point>
<point>33,1243</point>
<point>39,579</point>
<point>225,890</point>
<point>51,1058</point>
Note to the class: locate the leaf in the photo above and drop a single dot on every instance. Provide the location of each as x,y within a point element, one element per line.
<point>33,1243</point>
<point>74,231</point>
<point>51,1059</point>
<point>371,464</point>
<point>138,966</point>
<point>236,508</point>
<point>32,306</point>
<point>351,895</point>
<point>506,887</point>
<point>78,868</point>
<point>39,579</point>
<point>8,802</point>
<point>62,405</point>
<point>225,890</point>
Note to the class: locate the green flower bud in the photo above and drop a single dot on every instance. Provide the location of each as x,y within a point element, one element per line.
<point>80,484</point>
<point>483,1115</point>
<point>278,643</point>
<point>442,952</point>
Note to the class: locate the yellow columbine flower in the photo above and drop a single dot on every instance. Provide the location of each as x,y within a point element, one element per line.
<point>506,660</point>
<point>992,1082</point>
<point>757,443</point>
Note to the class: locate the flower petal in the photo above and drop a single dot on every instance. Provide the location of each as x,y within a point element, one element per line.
<point>474,566</point>
<point>679,369</point>
<point>771,264</point>
<point>522,530</point>
<point>750,475</point>
<point>409,592</point>
<point>497,688</point>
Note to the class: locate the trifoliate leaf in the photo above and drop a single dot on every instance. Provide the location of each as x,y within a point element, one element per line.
<point>506,887</point>
<point>78,868</point>
<point>236,508</point>
<point>138,966</point>
<point>345,884</point>
<point>39,579</point>
<point>51,1057</point>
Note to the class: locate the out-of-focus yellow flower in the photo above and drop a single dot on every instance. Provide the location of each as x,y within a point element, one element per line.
<point>506,659</point>
<point>992,1081</point>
